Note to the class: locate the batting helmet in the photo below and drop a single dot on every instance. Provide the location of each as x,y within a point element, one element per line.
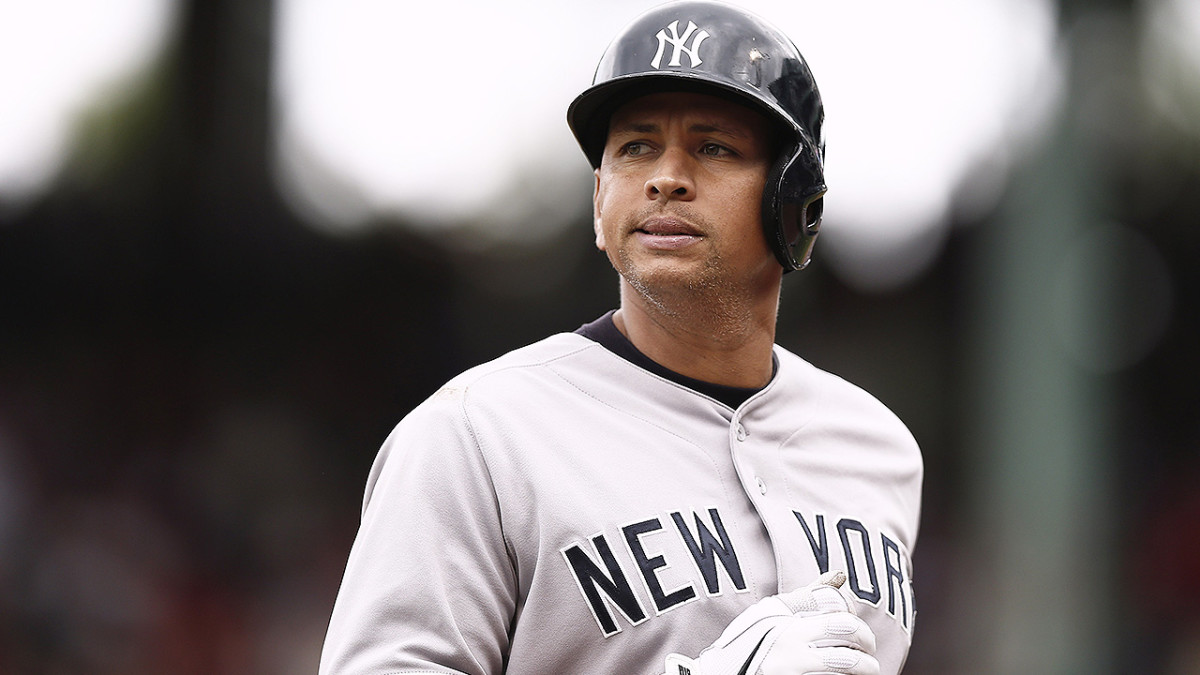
<point>714,48</point>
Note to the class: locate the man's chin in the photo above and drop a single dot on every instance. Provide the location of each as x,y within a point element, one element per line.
<point>665,272</point>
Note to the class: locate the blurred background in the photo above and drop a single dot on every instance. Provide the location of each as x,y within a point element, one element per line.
<point>239,240</point>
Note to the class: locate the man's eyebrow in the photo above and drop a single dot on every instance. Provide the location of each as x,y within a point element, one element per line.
<point>635,128</point>
<point>717,129</point>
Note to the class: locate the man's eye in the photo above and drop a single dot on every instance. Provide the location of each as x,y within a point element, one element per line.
<point>714,150</point>
<point>635,149</point>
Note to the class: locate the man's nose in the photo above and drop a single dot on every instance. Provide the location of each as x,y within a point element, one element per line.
<point>672,178</point>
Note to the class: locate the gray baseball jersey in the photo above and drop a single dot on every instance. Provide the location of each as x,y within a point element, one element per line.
<point>563,510</point>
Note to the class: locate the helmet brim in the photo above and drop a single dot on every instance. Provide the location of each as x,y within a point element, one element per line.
<point>588,115</point>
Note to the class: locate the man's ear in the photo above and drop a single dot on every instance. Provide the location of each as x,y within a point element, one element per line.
<point>596,218</point>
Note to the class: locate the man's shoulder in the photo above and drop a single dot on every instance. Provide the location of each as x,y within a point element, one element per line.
<point>514,377</point>
<point>834,392</point>
<point>514,381</point>
<point>796,367</point>
<point>532,357</point>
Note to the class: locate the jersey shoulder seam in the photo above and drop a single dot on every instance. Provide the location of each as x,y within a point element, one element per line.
<point>513,360</point>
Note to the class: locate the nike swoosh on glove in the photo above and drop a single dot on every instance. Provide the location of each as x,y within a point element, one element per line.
<point>813,630</point>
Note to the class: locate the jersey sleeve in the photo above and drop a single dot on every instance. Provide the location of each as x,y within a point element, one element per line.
<point>429,586</point>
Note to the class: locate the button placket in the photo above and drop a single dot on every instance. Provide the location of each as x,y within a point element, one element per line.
<point>741,434</point>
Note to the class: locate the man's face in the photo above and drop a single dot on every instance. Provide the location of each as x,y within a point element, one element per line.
<point>678,195</point>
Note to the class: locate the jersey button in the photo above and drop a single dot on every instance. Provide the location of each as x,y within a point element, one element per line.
<point>741,433</point>
<point>762,485</point>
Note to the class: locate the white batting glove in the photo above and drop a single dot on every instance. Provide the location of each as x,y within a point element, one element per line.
<point>810,631</point>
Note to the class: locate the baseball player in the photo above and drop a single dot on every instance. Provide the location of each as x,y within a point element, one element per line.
<point>663,489</point>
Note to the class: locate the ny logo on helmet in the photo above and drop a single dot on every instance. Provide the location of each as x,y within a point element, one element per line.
<point>678,44</point>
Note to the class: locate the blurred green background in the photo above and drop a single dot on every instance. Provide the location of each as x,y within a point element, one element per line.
<point>207,326</point>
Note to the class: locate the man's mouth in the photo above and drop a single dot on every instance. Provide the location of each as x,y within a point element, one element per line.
<point>668,227</point>
<point>667,234</point>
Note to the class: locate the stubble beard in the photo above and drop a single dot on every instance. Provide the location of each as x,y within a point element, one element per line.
<point>709,303</point>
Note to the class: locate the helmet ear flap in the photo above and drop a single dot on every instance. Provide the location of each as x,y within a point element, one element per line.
<point>813,213</point>
<point>792,207</point>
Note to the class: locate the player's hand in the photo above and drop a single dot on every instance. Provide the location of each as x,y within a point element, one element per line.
<point>810,631</point>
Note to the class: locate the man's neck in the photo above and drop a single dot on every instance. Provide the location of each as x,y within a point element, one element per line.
<point>731,347</point>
